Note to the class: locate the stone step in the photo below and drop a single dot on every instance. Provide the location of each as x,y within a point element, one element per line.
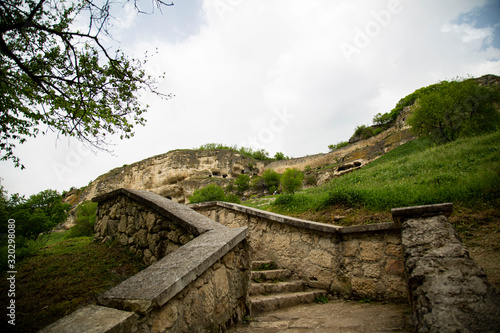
<point>261,264</point>
<point>274,274</point>
<point>261,303</point>
<point>273,288</point>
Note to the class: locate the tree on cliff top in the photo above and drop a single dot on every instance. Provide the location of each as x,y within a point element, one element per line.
<point>55,77</point>
<point>454,109</point>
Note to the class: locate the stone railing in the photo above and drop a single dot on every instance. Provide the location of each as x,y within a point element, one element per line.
<point>448,291</point>
<point>198,279</point>
<point>362,262</point>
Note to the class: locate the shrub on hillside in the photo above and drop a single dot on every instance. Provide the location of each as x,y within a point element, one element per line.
<point>242,183</point>
<point>291,180</point>
<point>338,145</point>
<point>212,192</point>
<point>85,220</point>
<point>271,179</point>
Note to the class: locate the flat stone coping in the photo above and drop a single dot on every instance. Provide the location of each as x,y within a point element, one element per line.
<point>311,225</point>
<point>158,283</point>
<point>401,214</point>
<point>193,221</point>
<point>95,319</point>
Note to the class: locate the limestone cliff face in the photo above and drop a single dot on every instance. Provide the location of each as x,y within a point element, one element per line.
<point>176,174</point>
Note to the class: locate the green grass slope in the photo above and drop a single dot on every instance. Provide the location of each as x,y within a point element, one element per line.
<point>465,172</point>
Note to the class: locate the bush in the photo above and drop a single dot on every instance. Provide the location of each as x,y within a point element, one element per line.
<point>271,180</point>
<point>212,192</point>
<point>338,145</point>
<point>280,156</point>
<point>291,180</point>
<point>242,183</point>
<point>85,220</point>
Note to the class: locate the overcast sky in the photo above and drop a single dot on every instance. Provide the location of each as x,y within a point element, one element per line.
<point>283,75</point>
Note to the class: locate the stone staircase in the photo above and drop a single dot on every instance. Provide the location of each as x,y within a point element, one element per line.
<point>271,288</point>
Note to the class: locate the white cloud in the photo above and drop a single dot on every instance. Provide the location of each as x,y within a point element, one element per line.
<point>248,61</point>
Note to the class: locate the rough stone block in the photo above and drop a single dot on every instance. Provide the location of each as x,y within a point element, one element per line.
<point>95,319</point>
<point>371,270</point>
<point>364,288</point>
<point>370,251</point>
<point>394,250</point>
<point>395,267</point>
<point>349,248</point>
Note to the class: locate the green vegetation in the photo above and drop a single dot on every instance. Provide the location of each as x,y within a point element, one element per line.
<point>267,266</point>
<point>465,172</point>
<point>242,183</point>
<point>387,119</point>
<point>259,154</point>
<point>57,77</point>
<point>291,180</point>
<point>65,276</point>
<point>34,217</point>
<point>271,180</point>
<point>339,145</point>
<point>212,192</point>
<point>85,220</point>
<point>445,111</point>
<point>321,299</point>
<point>280,156</point>
<point>366,132</point>
<point>456,109</point>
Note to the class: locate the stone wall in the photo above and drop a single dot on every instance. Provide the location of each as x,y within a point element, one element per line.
<point>201,286</point>
<point>215,300</point>
<point>137,226</point>
<point>362,262</point>
<point>448,291</point>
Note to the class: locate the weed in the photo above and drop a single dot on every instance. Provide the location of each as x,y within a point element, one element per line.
<point>365,300</point>
<point>267,266</point>
<point>257,280</point>
<point>247,320</point>
<point>321,299</point>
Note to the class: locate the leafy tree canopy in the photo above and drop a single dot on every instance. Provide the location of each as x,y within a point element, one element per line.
<point>34,216</point>
<point>56,77</point>
<point>454,109</point>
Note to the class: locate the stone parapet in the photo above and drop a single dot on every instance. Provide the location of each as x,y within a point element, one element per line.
<point>362,262</point>
<point>158,283</point>
<point>448,291</point>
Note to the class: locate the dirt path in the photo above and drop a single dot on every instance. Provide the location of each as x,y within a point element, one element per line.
<point>335,316</point>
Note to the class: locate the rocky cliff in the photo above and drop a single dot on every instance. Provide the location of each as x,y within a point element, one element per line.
<point>176,174</point>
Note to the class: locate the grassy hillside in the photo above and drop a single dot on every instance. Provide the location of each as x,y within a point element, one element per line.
<point>465,172</point>
<point>64,276</point>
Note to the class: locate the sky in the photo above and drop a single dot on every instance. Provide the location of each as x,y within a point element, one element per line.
<point>281,75</point>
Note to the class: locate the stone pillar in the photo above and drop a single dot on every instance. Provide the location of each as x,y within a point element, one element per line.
<point>448,291</point>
